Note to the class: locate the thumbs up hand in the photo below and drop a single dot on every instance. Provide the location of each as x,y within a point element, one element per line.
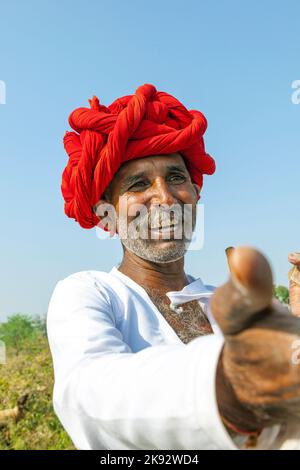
<point>258,383</point>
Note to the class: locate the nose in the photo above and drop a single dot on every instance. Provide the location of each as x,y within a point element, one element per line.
<point>162,193</point>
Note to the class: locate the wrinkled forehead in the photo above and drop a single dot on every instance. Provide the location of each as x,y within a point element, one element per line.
<point>152,165</point>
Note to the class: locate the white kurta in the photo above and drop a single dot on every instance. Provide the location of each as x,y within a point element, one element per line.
<point>125,380</point>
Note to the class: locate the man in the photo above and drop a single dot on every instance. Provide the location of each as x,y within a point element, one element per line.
<point>146,356</point>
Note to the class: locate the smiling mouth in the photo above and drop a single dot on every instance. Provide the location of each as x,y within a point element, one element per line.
<point>165,228</point>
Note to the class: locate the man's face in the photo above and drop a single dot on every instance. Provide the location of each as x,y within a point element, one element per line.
<point>155,203</point>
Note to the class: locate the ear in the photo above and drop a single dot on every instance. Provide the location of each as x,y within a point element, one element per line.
<point>106,214</point>
<point>96,207</point>
<point>197,190</point>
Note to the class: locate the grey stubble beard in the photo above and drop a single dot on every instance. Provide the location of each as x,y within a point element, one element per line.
<point>150,250</point>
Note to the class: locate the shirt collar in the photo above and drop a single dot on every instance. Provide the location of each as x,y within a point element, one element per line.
<point>194,291</point>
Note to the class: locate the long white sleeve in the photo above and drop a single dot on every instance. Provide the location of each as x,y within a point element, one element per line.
<point>107,397</point>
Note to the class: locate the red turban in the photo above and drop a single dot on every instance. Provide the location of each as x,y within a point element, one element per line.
<point>150,122</point>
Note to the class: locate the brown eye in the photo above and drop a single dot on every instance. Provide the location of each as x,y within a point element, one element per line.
<point>177,179</point>
<point>138,185</point>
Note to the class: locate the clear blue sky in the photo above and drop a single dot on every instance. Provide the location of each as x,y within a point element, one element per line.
<point>233,60</point>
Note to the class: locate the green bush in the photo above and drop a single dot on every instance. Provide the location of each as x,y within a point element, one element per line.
<point>282,294</point>
<point>20,331</point>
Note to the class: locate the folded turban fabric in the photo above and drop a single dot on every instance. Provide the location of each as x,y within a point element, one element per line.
<point>150,122</point>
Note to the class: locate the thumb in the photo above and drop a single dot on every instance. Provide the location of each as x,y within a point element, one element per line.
<point>248,292</point>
